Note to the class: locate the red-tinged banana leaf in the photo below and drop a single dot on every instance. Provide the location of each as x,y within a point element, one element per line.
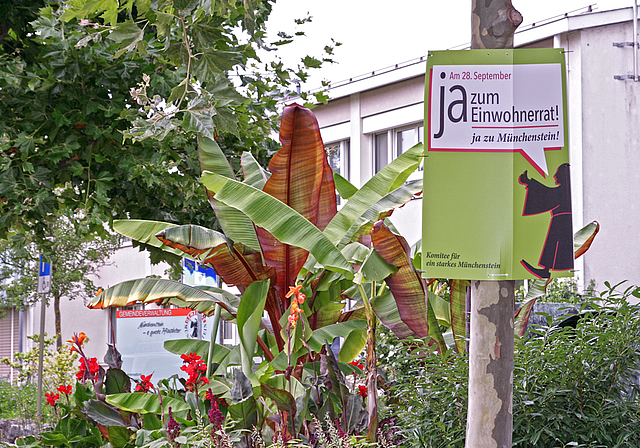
<point>238,265</point>
<point>385,181</point>
<point>582,241</point>
<point>584,237</point>
<point>152,290</point>
<point>458,304</point>
<point>253,173</point>
<point>406,285</point>
<point>236,225</point>
<point>199,242</point>
<point>537,289</point>
<point>284,223</point>
<point>302,179</point>
<point>386,309</point>
<point>145,231</point>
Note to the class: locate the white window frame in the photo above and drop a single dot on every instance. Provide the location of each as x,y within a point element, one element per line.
<point>392,143</point>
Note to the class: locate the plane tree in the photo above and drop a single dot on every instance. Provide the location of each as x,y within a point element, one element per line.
<point>84,87</point>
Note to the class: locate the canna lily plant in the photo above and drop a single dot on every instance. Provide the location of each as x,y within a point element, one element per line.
<point>282,232</point>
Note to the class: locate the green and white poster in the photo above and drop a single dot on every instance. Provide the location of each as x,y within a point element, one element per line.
<point>497,201</point>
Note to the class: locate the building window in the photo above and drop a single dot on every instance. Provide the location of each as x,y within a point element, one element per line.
<point>390,144</point>
<point>338,157</point>
<point>228,331</point>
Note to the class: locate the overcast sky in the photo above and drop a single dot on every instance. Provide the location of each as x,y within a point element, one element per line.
<point>377,34</point>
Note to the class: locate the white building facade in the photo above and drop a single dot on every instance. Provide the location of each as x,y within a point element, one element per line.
<point>374,118</point>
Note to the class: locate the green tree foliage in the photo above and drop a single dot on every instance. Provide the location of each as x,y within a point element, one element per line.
<point>75,258</point>
<point>75,85</point>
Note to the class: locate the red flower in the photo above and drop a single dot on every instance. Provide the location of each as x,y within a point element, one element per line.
<point>362,391</point>
<point>195,367</point>
<point>357,364</point>
<point>144,385</point>
<point>191,357</point>
<point>94,368</point>
<point>65,389</point>
<point>52,398</point>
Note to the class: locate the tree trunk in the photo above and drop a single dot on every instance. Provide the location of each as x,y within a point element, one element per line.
<point>490,413</point>
<point>490,416</point>
<point>493,23</point>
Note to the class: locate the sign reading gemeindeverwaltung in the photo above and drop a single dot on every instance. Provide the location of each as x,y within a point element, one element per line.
<point>497,202</point>
<point>141,335</point>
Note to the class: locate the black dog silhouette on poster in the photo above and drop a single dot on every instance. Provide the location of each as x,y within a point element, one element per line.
<point>557,253</point>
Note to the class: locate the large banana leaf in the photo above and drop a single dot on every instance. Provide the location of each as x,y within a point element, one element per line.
<point>386,309</point>
<point>151,290</point>
<point>235,224</point>
<point>249,319</point>
<point>458,304</point>
<point>287,225</point>
<point>330,332</point>
<point>406,284</point>
<point>385,181</point>
<point>199,242</point>
<point>302,179</point>
<point>238,266</point>
<point>145,231</point>
<point>582,241</point>
<point>254,174</point>
<point>381,208</point>
<point>146,403</point>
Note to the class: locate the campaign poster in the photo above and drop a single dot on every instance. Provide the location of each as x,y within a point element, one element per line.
<point>497,197</point>
<point>142,333</point>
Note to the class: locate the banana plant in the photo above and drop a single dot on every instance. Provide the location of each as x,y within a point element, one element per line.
<point>281,228</point>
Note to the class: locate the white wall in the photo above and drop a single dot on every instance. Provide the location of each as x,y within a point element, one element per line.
<point>610,125</point>
<point>126,264</point>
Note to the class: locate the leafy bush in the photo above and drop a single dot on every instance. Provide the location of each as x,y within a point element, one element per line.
<point>17,401</point>
<point>579,385</point>
<point>20,401</point>
<point>572,386</point>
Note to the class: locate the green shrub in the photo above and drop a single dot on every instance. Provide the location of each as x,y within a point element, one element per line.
<point>579,386</point>
<point>572,386</point>
<point>17,402</point>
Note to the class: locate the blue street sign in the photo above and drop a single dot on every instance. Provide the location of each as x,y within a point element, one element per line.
<point>44,277</point>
